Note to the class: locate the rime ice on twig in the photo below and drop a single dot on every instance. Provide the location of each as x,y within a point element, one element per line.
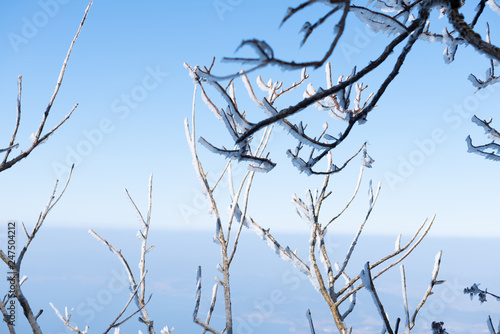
<point>491,328</point>
<point>438,328</point>
<point>137,287</point>
<point>66,320</point>
<point>326,281</point>
<point>16,268</point>
<point>309,319</point>
<point>406,23</point>
<point>37,138</point>
<point>481,294</point>
<point>237,211</point>
<point>490,151</point>
<point>411,321</point>
<point>367,280</point>
<point>378,21</point>
<point>335,98</point>
<point>407,20</point>
<point>238,126</point>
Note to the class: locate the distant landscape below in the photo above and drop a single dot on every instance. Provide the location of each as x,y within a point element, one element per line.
<point>70,268</point>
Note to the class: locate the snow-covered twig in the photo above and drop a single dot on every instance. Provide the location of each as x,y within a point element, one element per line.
<point>352,298</point>
<point>410,322</point>
<point>350,200</point>
<point>281,115</point>
<point>244,132</point>
<point>490,151</point>
<point>266,55</point>
<point>367,280</point>
<point>37,137</point>
<point>237,212</point>
<point>66,320</point>
<point>120,256</point>
<point>116,323</point>
<point>212,304</point>
<point>355,241</point>
<point>405,300</point>
<point>491,328</point>
<point>16,268</point>
<point>437,328</point>
<point>407,249</point>
<point>309,211</point>
<point>137,289</point>
<point>471,37</point>
<point>143,237</point>
<point>492,132</point>
<point>481,294</point>
<point>197,320</point>
<point>428,292</point>
<point>309,319</point>
<point>6,317</point>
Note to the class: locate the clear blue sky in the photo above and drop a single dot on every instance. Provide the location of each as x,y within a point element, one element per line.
<point>126,74</point>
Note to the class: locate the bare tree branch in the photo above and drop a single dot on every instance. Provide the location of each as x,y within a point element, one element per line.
<point>368,283</point>
<point>6,317</point>
<point>18,121</point>
<point>137,290</point>
<point>37,137</point>
<point>472,38</point>
<point>309,319</point>
<point>434,282</point>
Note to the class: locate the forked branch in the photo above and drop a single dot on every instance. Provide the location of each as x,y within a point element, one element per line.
<point>37,138</point>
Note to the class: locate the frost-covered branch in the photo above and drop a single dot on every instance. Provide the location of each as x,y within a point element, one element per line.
<point>265,54</point>
<point>66,320</point>
<point>6,316</point>
<point>481,294</point>
<point>468,33</point>
<point>37,138</point>
<point>410,322</point>
<point>328,286</point>
<point>15,264</point>
<point>408,20</point>
<point>334,99</point>
<point>116,323</point>
<point>137,287</point>
<point>402,252</point>
<point>350,200</point>
<point>428,292</point>
<point>347,101</point>
<point>367,280</point>
<point>320,95</point>
<point>309,319</point>
<point>490,151</point>
<point>491,328</point>
<point>437,328</point>
<point>237,211</point>
<point>238,125</point>
<point>41,218</point>
<point>206,324</point>
<point>143,237</point>
<point>372,200</point>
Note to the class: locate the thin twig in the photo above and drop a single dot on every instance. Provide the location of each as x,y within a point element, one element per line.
<point>133,293</point>
<point>434,282</point>
<point>18,120</point>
